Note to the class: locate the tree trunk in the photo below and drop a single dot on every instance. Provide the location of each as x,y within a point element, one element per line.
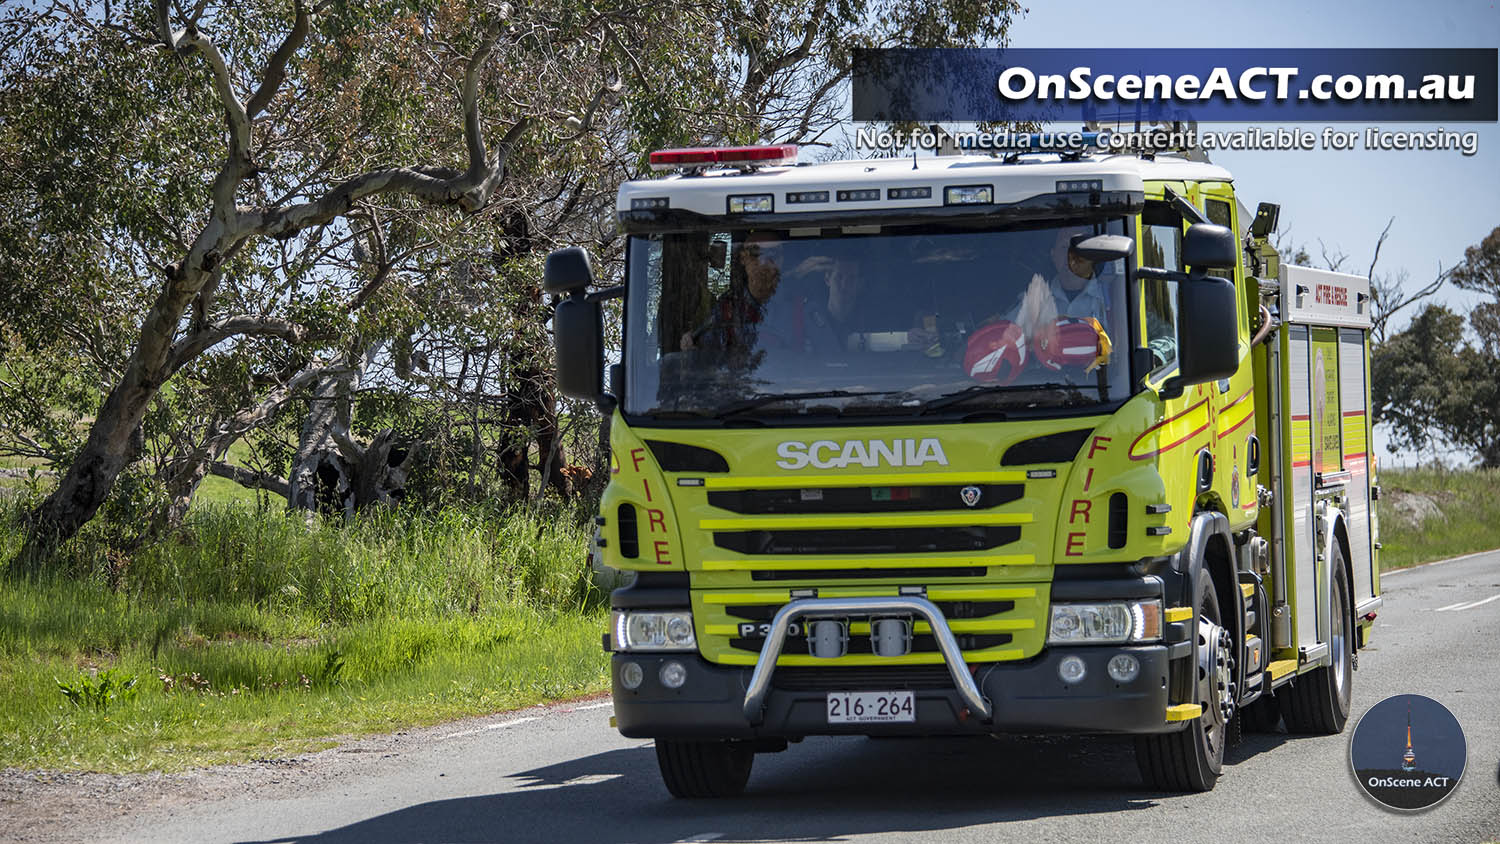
<point>113,441</point>
<point>314,478</point>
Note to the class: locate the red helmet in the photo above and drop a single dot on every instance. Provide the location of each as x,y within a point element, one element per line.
<point>1072,343</point>
<point>996,353</point>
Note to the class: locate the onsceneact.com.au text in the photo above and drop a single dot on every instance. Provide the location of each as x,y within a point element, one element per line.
<point>1255,83</point>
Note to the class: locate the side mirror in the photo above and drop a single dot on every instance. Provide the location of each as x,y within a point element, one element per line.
<point>567,270</point>
<point>1206,246</point>
<point>1207,332</point>
<point>578,338</point>
<point>1103,248</point>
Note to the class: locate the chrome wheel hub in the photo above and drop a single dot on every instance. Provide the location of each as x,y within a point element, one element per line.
<point>1217,689</point>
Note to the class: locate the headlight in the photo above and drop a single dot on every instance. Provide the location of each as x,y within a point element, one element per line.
<point>653,630</point>
<point>1111,623</point>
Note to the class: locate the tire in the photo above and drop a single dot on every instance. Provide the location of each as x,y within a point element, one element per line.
<point>1317,703</point>
<point>1261,716</point>
<point>1192,759</point>
<point>694,769</point>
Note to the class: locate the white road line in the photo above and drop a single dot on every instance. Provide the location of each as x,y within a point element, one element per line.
<point>592,706</point>
<point>587,779</point>
<point>1460,607</point>
<point>1451,606</point>
<point>486,728</point>
<point>1410,569</point>
<point>700,838</point>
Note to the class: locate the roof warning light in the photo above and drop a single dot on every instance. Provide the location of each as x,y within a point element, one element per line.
<point>745,158</point>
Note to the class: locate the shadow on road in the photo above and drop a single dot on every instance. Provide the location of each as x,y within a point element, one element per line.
<point>823,789</point>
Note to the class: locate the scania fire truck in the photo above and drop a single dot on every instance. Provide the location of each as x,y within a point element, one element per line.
<point>968,445</point>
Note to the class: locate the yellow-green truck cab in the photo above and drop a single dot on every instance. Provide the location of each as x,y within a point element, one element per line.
<point>968,445</point>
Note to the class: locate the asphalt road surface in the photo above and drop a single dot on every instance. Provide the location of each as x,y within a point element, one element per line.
<point>563,775</point>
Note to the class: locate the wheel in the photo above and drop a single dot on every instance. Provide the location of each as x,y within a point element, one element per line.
<point>1191,759</point>
<point>1317,702</point>
<point>704,768</point>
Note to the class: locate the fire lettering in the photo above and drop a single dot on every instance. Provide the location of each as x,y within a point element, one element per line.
<point>1088,479</point>
<point>657,517</point>
<point>661,552</point>
<point>1080,504</point>
<point>637,457</point>
<point>647,484</point>
<point>1075,540</point>
<point>1098,445</point>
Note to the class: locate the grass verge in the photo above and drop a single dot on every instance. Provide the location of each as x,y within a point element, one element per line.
<point>1470,519</point>
<point>251,634</point>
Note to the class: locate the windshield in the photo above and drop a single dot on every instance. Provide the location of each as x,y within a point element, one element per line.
<point>894,320</point>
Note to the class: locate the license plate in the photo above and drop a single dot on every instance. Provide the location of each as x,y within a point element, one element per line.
<point>871,708</point>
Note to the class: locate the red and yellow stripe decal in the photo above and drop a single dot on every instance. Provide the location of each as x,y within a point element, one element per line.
<point>1172,432</point>
<point>1301,440</point>
<point>1236,414</point>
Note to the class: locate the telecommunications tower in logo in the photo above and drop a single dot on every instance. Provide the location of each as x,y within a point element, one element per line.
<point>1409,758</point>
<point>1389,769</point>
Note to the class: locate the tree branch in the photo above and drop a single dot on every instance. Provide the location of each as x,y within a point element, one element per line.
<point>251,479</point>
<point>1379,242</point>
<point>469,99</point>
<point>189,40</point>
<point>189,347</point>
<point>276,68</point>
<point>759,72</point>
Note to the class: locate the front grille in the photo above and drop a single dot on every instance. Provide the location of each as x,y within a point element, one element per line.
<point>989,623</point>
<point>863,499</point>
<point>951,610</point>
<point>881,678</point>
<point>867,540</point>
<point>921,643</point>
<point>858,574</point>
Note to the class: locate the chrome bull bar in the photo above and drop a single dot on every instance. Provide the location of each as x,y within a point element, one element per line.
<point>765,666</point>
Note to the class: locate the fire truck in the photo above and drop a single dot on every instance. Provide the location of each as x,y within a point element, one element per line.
<point>970,445</point>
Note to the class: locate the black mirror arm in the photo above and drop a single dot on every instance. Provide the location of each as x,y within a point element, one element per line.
<point>1168,275</point>
<point>616,292</point>
<point>1185,208</point>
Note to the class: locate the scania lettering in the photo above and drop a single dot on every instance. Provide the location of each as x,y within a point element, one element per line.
<point>826,454</point>
<point>1038,442</point>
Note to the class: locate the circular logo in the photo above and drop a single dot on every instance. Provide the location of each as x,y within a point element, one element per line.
<point>1408,753</point>
<point>970,495</point>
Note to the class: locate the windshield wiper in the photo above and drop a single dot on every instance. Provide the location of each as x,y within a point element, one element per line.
<point>771,398</point>
<point>987,389</point>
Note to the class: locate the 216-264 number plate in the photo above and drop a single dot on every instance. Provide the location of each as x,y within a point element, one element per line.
<point>871,708</point>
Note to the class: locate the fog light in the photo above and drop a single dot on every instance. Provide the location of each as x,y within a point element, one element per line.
<point>1071,669</point>
<point>673,675</point>
<point>1123,668</point>
<point>631,675</point>
<point>829,639</point>
<point>890,637</point>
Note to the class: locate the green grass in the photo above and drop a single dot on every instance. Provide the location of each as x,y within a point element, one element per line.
<point>251,634</point>
<point>1469,499</point>
<point>215,490</point>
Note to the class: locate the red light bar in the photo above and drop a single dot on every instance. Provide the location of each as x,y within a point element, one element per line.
<point>767,156</point>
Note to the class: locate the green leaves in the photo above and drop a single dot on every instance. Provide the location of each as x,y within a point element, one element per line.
<point>99,691</point>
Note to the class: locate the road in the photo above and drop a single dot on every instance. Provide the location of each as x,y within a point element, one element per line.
<point>563,775</point>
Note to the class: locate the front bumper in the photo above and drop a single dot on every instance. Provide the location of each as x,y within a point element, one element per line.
<point>1024,697</point>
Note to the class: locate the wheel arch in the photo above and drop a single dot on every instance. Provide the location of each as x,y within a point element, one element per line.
<point>1341,541</point>
<point>1209,544</point>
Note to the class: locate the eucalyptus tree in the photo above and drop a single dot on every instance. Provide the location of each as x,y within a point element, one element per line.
<point>222,216</point>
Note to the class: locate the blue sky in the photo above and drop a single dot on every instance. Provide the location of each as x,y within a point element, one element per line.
<point>1443,202</point>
